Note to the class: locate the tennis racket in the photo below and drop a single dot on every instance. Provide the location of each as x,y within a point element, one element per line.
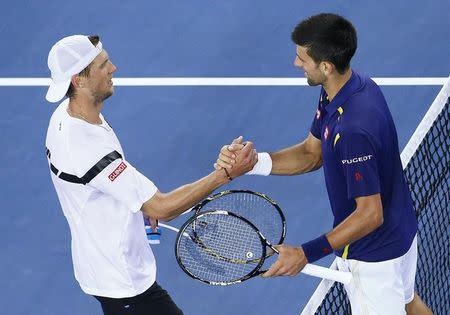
<point>256,207</point>
<point>260,209</point>
<point>222,248</point>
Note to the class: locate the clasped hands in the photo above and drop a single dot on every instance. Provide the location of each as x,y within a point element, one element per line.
<point>237,158</point>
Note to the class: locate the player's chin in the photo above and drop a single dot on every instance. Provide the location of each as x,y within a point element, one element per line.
<point>108,94</point>
<point>312,82</point>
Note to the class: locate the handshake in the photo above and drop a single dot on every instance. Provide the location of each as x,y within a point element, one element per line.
<point>240,158</point>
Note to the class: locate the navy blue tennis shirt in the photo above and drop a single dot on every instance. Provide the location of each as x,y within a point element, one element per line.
<point>361,158</point>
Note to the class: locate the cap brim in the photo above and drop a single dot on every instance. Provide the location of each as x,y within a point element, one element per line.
<point>56,91</point>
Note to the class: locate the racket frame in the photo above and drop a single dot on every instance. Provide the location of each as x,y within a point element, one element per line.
<point>182,233</point>
<point>198,208</point>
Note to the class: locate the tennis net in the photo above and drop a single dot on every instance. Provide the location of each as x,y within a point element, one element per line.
<point>426,163</point>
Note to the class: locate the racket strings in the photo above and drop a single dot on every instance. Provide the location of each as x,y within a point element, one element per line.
<point>255,208</point>
<point>226,242</point>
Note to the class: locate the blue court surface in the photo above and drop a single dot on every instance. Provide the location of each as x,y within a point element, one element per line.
<point>173,134</point>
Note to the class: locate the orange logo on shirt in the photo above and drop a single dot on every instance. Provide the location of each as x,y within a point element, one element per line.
<point>119,169</point>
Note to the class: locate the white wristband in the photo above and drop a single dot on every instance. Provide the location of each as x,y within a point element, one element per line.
<point>263,166</point>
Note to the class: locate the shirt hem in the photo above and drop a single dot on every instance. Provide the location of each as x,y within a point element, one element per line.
<point>378,258</point>
<point>117,294</point>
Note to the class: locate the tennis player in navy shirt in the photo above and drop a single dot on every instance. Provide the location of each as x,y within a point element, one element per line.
<point>361,158</point>
<point>353,137</point>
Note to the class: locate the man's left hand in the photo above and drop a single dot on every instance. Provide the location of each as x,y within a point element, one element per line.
<point>290,262</point>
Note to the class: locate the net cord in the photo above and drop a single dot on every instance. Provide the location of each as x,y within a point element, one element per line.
<point>422,129</point>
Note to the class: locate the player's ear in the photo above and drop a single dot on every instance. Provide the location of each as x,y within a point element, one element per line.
<point>77,81</point>
<point>326,67</point>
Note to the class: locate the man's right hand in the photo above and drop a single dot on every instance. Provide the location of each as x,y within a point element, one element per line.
<point>245,160</point>
<point>228,154</point>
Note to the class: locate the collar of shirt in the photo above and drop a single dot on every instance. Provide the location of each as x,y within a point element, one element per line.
<point>349,88</point>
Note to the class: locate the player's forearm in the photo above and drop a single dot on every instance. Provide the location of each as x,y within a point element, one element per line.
<point>295,160</point>
<point>365,219</point>
<point>167,206</point>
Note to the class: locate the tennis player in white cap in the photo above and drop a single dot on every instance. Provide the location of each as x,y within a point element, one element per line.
<point>101,194</point>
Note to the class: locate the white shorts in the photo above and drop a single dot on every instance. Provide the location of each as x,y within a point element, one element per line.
<point>381,288</point>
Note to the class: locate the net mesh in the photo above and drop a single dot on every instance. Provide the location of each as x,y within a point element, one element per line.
<point>429,178</point>
<point>427,173</point>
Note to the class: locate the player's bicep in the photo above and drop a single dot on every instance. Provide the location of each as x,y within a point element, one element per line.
<point>313,146</point>
<point>126,184</point>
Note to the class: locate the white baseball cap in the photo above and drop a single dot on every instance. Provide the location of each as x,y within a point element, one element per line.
<point>68,57</point>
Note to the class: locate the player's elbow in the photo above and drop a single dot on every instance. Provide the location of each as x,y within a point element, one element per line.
<point>314,162</point>
<point>159,207</point>
<point>376,217</point>
<point>154,213</point>
<point>370,209</point>
<point>318,163</point>
<point>164,206</point>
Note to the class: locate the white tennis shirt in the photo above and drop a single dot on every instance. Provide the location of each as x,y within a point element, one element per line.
<point>110,253</point>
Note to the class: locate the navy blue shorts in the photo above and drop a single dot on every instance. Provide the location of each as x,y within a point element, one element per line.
<point>155,300</point>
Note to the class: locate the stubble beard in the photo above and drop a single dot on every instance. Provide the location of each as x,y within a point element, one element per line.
<point>102,97</point>
<point>311,82</point>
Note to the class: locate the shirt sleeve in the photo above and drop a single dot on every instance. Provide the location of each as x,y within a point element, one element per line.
<point>358,160</point>
<point>124,183</point>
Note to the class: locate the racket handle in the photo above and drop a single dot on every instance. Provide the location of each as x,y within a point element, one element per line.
<point>326,273</point>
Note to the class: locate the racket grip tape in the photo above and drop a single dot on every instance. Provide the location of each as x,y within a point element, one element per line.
<point>326,273</point>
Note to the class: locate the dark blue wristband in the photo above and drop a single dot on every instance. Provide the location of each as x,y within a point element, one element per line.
<point>316,249</point>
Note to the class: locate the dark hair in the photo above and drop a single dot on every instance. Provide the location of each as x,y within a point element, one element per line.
<point>85,72</point>
<point>327,37</point>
